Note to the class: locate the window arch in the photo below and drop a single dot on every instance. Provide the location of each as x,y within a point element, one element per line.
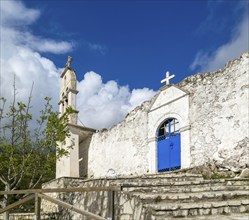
<point>170,127</point>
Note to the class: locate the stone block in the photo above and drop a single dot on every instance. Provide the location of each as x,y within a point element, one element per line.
<point>235,209</point>
<point>226,210</point>
<point>180,213</point>
<point>234,203</point>
<point>220,210</point>
<point>219,204</point>
<point>242,209</point>
<point>214,211</point>
<point>244,173</point>
<point>245,202</point>
<point>205,211</point>
<point>193,212</point>
<point>126,217</point>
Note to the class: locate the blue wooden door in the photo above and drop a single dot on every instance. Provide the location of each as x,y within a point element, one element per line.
<point>169,149</point>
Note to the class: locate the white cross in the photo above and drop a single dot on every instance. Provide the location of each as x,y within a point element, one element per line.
<point>168,77</point>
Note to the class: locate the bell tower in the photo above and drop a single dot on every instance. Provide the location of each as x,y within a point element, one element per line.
<point>68,91</point>
<point>69,165</point>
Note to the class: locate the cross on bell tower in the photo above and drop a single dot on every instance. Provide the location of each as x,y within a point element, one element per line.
<point>168,78</point>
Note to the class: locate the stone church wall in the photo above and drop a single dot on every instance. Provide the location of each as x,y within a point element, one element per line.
<point>218,122</point>
<point>219,115</point>
<point>121,150</point>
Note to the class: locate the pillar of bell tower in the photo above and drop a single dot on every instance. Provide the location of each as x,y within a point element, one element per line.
<point>68,91</point>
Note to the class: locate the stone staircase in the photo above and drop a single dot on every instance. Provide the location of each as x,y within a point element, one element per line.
<point>183,196</point>
<point>168,196</point>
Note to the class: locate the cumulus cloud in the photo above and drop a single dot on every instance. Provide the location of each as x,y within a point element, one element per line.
<point>100,104</point>
<point>20,57</point>
<point>15,13</point>
<point>103,105</point>
<point>238,44</point>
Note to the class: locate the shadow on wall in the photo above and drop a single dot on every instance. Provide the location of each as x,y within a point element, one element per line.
<point>83,156</point>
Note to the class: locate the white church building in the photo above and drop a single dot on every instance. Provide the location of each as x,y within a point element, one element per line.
<point>201,119</point>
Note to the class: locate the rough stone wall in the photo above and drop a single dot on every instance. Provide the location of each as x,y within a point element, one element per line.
<point>218,119</point>
<point>121,150</point>
<point>219,115</point>
<point>94,202</point>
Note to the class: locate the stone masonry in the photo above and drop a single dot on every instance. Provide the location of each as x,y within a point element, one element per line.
<point>214,129</point>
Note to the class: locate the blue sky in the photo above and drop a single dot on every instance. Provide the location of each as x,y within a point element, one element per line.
<point>135,42</point>
<point>125,47</point>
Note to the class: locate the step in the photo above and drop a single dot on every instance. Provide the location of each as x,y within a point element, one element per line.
<point>231,216</point>
<point>191,197</point>
<point>243,216</point>
<point>198,208</point>
<point>187,186</point>
<point>161,179</point>
<point>162,189</point>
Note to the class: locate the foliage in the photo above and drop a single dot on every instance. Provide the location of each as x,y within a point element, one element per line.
<point>28,147</point>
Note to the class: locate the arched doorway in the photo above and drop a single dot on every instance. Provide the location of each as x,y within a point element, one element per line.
<point>169,145</point>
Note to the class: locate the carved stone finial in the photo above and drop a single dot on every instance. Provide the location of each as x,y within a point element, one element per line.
<point>69,60</point>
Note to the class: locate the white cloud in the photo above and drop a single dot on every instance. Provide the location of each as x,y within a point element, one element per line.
<point>100,104</point>
<point>15,13</point>
<point>20,56</point>
<point>237,45</point>
<point>105,104</point>
<point>45,45</point>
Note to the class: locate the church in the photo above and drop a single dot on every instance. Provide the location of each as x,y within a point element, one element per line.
<point>202,119</point>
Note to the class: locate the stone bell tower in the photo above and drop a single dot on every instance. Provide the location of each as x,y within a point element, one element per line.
<point>68,165</point>
<point>75,163</point>
<point>68,91</point>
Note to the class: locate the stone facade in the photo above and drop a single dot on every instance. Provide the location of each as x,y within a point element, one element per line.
<point>123,149</point>
<point>212,110</point>
<point>219,115</point>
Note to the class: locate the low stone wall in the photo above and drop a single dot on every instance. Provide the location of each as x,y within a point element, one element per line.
<point>95,202</point>
<point>26,216</point>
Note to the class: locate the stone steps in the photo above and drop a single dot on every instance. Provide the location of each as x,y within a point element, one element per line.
<point>188,186</point>
<point>159,179</point>
<point>192,197</point>
<point>188,199</point>
<point>181,210</point>
<point>163,197</point>
<point>194,189</point>
<point>243,216</point>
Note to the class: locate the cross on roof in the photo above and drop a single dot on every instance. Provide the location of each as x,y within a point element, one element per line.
<point>168,77</point>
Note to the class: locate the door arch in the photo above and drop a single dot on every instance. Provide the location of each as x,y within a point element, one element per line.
<point>169,145</point>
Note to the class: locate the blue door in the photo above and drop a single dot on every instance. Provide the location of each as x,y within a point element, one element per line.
<point>169,146</point>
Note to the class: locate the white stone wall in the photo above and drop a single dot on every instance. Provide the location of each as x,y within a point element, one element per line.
<point>123,149</point>
<point>213,115</point>
<point>219,115</point>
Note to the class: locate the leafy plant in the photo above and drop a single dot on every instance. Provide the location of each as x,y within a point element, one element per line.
<point>29,147</point>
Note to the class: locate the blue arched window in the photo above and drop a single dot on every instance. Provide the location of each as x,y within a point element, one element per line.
<point>170,127</point>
